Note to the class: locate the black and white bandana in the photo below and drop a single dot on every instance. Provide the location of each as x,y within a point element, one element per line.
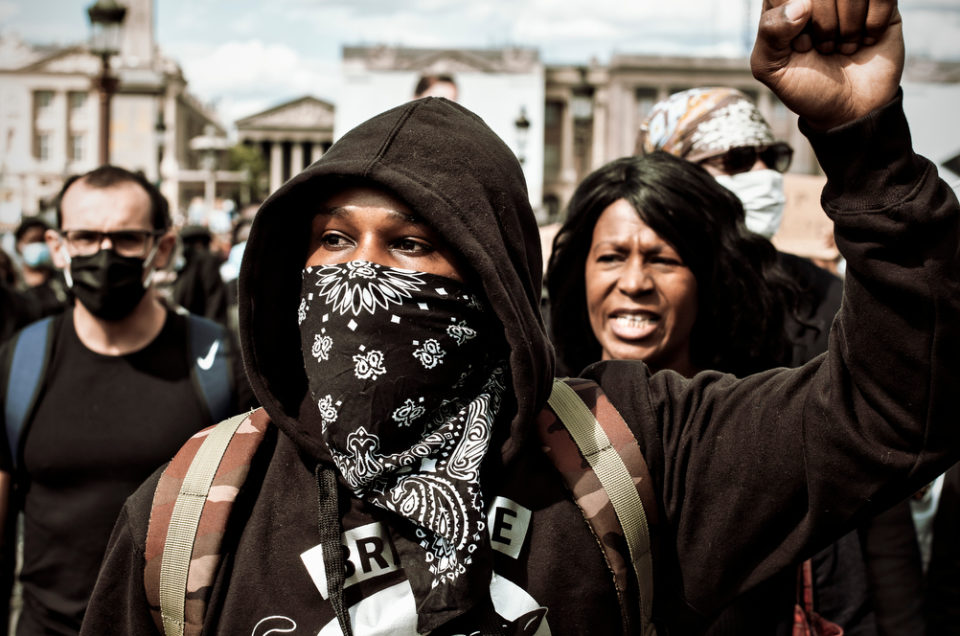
<point>407,374</point>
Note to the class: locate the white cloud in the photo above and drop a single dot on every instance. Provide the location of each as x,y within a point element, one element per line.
<point>932,34</point>
<point>8,10</point>
<point>243,77</point>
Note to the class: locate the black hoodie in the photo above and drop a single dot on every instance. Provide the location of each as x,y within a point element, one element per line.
<point>751,475</point>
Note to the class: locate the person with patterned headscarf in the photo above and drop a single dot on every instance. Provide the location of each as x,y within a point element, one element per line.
<point>721,129</point>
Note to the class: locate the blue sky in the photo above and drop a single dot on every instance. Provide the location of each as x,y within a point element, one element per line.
<point>247,55</point>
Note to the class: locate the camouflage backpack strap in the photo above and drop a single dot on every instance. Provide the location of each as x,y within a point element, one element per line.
<point>612,487</point>
<point>191,507</point>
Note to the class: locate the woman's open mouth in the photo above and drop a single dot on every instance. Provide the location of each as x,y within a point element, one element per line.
<point>633,326</point>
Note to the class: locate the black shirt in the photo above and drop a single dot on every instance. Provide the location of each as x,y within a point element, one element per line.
<point>102,425</point>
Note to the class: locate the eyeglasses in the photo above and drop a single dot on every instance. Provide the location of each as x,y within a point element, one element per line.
<point>132,243</point>
<point>742,158</point>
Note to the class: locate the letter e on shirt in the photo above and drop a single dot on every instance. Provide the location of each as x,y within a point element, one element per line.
<point>508,522</point>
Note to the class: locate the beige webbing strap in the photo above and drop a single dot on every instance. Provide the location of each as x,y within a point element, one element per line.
<point>178,547</point>
<point>615,478</point>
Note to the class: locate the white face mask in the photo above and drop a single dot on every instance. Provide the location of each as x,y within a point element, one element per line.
<point>761,192</point>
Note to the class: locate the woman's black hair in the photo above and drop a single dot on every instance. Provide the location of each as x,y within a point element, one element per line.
<point>743,295</point>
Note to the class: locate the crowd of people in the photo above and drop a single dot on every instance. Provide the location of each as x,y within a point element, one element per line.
<point>388,433</point>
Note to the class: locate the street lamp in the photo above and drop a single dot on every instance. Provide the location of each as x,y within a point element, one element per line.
<point>209,145</point>
<point>106,23</point>
<point>522,125</point>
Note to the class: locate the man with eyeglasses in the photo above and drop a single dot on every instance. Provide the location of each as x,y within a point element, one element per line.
<point>118,383</point>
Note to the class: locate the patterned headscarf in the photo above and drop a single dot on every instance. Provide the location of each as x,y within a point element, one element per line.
<point>703,122</point>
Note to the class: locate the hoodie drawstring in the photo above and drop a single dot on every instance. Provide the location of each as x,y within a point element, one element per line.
<point>329,527</point>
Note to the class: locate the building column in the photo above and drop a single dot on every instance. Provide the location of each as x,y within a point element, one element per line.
<point>276,165</point>
<point>316,151</point>
<point>568,172</point>
<point>599,151</point>
<point>173,141</point>
<point>296,158</point>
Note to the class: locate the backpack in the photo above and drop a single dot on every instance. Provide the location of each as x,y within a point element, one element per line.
<point>580,430</point>
<point>33,348</point>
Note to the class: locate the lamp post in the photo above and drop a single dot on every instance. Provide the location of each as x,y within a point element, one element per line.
<point>209,145</point>
<point>106,22</point>
<point>522,125</point>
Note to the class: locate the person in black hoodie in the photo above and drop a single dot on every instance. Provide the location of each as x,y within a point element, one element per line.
<point>405,264</point>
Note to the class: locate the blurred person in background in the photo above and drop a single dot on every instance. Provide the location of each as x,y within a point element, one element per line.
<point>198,287</point>
<point>230,269</point>
<point>42,282</point>
<point>16,309</point>
<point>436,86</point>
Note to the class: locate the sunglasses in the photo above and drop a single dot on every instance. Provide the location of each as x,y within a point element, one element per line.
<point>742,158</point>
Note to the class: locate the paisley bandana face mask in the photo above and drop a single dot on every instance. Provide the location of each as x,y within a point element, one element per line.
<point>407,374</point>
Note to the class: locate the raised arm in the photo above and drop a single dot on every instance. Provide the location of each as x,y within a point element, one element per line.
<point>757,473</point>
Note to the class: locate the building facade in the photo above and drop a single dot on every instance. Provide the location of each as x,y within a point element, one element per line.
<point>593,112</point>
<point>504,86</point>
<point>49,121</point>
<point>290,136</point>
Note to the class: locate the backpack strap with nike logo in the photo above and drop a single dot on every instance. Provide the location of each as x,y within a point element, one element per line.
<point>209,371</point>
<point>210,366</point>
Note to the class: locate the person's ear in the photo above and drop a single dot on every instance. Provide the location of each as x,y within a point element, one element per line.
<point>165,246</point>
<point>56,246</point>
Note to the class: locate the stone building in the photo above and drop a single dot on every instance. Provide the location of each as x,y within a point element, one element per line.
<point>49,123</point>
<point>592,112</point>
<point>504,86</point>
<point>290,136</point>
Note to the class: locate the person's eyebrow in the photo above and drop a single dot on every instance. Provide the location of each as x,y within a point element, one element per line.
<point>344,212</point>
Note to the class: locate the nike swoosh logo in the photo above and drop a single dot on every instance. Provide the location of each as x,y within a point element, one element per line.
<point>206,362</point>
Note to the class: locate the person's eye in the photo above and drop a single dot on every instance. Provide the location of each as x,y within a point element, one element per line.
<point>665,257</point>
<point>413,245</point>
<point>609,257</point>
<point>333,240</point>
<point>82,237</point>
<point>127,238</point>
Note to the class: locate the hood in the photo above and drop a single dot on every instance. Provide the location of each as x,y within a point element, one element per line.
<point>458,176</point>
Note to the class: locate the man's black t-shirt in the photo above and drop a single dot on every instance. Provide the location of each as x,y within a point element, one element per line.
<point>102,425</point>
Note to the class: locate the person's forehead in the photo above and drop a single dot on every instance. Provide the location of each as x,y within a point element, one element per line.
<point>620,222</point>
<point>123,205</point>
<point>366,197</point>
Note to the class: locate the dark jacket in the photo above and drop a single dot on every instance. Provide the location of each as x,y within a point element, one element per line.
<point>864,425</point>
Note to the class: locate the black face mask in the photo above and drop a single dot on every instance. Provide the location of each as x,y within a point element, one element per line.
<point>110,286</point>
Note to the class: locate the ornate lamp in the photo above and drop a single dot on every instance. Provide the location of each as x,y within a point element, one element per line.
<point>106,31</point>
